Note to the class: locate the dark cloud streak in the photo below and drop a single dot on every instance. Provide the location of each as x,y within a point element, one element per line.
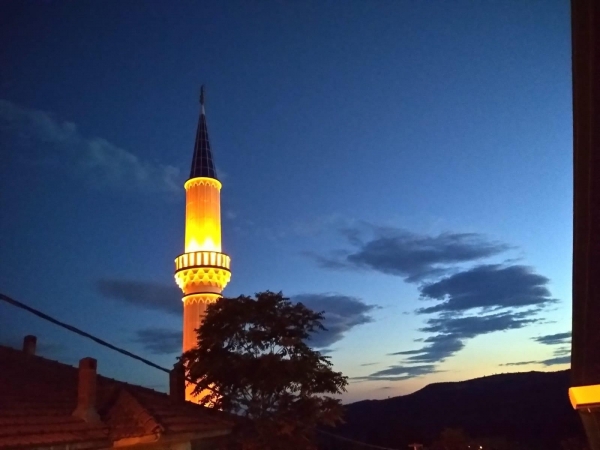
<point>488,286</point>
<point>466,327</point>
<point>470,301</point>
<point>414,257</point>
<point>437,349</point>
<point>520,363</point>
<point>557,360</point>
<point>143,294</point>
<point>450,333</point>
<point>341,313</point>
<point>399,373</point>
<point>159,341</point>
<point>562,354</point>
<point>554,339</point>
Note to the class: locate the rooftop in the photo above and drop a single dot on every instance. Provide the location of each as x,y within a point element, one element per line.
<point>38,397</point>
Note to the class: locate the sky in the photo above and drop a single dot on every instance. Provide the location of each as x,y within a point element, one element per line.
<point>403,166</point>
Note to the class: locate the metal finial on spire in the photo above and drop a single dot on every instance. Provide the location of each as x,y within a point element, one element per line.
<point>202,112</point>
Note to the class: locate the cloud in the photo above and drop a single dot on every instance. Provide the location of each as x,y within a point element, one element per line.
<point>92,158</point>
<point>399,373</point>
<point>414,257</point>
<point>477,301</point>
<point>554,361</point>
<point>449,335</point>
<point>554,339</point>
<point>143,294</point>
<point>471,297</point>
<point>451,332</point>
<point>562,354</point>
<point>368,364</point>
<point>512,295</point>
<point>488,286</point>
<point>465,327</point>
<point>438,348</point>
<point>159,341</point>
<point>342,313</point>
<point>557,360</point>
<point>521,363</point>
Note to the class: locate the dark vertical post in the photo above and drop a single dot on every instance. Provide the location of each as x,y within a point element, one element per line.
<point>29,344</point>
<point>585,359</point>
<point>177,382</point>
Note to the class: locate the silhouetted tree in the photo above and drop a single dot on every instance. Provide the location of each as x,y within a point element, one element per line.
<point>252,360</point>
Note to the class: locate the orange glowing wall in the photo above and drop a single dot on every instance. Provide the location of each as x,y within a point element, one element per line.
<point>202,215</point>
<point>193,314</point>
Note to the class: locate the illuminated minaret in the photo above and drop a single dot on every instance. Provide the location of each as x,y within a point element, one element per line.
<point>202,271</point>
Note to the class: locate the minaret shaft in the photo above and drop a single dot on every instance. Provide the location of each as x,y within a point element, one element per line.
<point>193,313</point>
<point>203,216</point>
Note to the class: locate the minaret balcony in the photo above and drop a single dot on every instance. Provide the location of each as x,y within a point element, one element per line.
<point>202,271</point>
<point>202,259</point>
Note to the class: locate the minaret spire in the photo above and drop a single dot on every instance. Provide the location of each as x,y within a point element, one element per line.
<point>202,162</point>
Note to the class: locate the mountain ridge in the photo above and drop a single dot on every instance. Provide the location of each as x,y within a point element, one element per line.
<point>529,408</point>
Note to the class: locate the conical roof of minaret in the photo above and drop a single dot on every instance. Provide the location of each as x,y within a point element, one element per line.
<point>202,163</point>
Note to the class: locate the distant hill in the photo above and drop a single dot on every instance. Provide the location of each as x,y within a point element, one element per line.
<point>530,408</point>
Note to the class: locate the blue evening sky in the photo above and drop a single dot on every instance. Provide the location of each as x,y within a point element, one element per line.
<point>404,166</point>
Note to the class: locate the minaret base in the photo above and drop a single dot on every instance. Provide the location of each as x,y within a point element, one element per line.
<point>194,310</point>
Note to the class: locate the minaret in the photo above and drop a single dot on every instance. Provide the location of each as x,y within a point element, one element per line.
<point>203,270</point>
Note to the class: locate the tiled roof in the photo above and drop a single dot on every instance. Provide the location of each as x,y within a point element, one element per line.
<point>38,397</point>
<point>202,162</point>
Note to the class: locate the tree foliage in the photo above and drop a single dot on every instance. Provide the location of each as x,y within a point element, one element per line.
<point>252,359</point>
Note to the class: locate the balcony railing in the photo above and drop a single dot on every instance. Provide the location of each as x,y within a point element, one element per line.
<point>202,259</point>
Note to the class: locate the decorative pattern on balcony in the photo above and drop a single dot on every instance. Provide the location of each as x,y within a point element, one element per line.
<point>192,280</point>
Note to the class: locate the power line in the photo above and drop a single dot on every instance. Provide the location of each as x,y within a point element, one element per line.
<point>85,334</point>
<point>66,326</point>
<point>76,330</point>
